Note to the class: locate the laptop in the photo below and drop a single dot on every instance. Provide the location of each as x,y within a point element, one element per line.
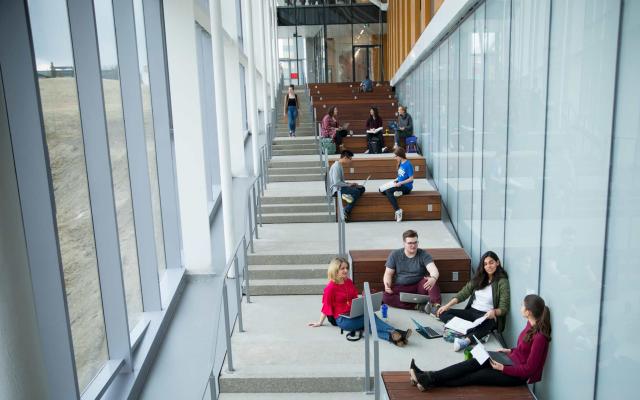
<point>495,355</point>
<point>427,331</point>
<point>414,298</point>
<point>357,305</point>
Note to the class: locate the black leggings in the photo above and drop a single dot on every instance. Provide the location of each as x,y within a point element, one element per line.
<point>471,314</point>
<point>469,372</point>
<point>392,198</point>
<point>339,135</point>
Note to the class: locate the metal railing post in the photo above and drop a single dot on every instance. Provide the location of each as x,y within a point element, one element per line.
<point>227,324</point>
<point>369,319</point>
<point>341,230</point>
<point>238,292</point>
<point>212,386</point>
<point>255,215</point>
<point>250,214</point>
<point>367,336</point>
<point>247,278</point>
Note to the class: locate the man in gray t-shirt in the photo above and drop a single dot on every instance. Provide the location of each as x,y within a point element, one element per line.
<point>350,191</point>
<point>414,272</point>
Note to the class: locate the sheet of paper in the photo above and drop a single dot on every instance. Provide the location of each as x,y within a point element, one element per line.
<point>463,326</point>
<point>480,354</point>
<point>478,322</point>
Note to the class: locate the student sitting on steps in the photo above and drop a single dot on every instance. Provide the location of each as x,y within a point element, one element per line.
<point>527,358</point>
<point>336,300</point>
<point>489,296</point>
<point>330,128</point>
<point>403,183</point>
<point>414,272</point>
<point>351,191</point>
<point>375,141</point>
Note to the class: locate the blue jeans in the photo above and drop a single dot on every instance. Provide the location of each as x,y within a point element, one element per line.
<point>292,112</point>
<point>355,324</point>
<point>355,192</point>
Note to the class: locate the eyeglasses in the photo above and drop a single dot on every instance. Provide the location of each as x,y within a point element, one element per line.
<point>412,243</point>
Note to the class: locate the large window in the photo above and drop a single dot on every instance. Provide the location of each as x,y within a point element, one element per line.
<point>60,108</point>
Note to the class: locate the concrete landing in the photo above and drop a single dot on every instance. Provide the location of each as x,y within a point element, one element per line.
<point>280,353</point>
<point>313,238</point>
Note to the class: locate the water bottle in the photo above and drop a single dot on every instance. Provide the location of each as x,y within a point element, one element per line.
<point>384,309</point>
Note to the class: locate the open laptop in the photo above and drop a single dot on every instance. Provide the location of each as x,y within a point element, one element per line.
<point>414,298</point>
<point>357,305</point>
<point>427,331</point>
<point>495,355</point>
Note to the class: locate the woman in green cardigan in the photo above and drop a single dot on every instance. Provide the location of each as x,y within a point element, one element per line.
<point>488,294</point>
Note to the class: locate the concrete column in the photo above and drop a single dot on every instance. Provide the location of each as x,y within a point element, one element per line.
<point>253,97</point>
<point>268,17</point>
<point>188,133</point>
<point>265,44</point>
<point>219,81</point>
<point>274,47</point>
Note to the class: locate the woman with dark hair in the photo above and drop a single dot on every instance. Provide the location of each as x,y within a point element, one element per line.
<point>291,109</point>
<point>527,358</point>
<point>330,128</point>
<point>403,184</point>
<point>373,126</point>
<point>489,295</point>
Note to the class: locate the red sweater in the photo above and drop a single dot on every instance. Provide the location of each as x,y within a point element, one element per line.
<point>336,298</point>
<point>528,357</point>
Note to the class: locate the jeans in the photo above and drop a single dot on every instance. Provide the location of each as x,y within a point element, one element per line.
<point>392,199</point>
<point>292,112</point>
<point>471,314</point>
<point>355,324</point>
<point>355,192</point>
<point>401,135</point>
<point>469,372</point>
<point>393,300</point>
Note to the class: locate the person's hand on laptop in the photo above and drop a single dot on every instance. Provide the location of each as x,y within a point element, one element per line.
<point>429,283</point>
<point>496,365</point>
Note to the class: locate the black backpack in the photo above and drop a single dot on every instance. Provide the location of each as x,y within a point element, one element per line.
<point>375,145</point>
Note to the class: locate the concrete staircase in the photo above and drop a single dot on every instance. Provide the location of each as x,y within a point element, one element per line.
<point>289,274</point>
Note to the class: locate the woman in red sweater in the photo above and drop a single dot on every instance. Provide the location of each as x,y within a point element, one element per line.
<point>528,357</point>
<point>336,300</point>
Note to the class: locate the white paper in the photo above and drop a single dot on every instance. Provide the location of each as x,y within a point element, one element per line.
<point>480,354</point>
<point>463,326</point>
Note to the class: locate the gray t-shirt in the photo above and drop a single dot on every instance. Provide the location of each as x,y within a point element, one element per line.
<point>336,177</point>
<point>408,270</point>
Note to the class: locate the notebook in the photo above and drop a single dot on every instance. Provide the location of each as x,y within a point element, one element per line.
<point>463,326</point>
<point>481,354</point>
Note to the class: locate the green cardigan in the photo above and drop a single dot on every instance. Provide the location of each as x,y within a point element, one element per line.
<point>501,298</point>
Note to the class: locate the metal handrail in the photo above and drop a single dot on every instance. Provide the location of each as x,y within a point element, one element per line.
<point>252,215</point>
<point>371,333</point>
<point>342,246</point>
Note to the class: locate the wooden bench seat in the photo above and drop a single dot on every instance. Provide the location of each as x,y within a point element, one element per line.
<point>454,265</point>
<point>358,143</point>
<point>419,205</point>
<point>380,167</point>
<point>373,97</point>
<point>399,388</point>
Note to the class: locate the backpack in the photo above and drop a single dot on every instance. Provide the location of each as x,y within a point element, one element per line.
<point>327,144</point>
<point>375,145</point>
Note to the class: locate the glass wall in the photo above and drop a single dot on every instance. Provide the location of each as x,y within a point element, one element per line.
<point>529,119</point>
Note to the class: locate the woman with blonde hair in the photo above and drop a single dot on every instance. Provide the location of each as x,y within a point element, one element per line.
<point>336,300</point>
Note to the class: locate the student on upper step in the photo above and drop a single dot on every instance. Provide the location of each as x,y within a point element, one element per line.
<point>374,131</point>
<point>405,125</point>
<point>411,270</point>
<point>489,296</point>
<point>351,191</point>
<point>330,127</point>
<point>336,300</point>
<point>291,109</point>
<point>403,183</point>
<point>528,357</point>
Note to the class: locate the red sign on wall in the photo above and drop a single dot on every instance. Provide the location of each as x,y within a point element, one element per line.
<point>294,75</point>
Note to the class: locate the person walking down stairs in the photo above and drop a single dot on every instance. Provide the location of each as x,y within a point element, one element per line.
<point>291,110</point>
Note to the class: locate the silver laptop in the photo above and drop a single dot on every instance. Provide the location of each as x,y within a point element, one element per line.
<point>413,298</point>
<point>357,305</point>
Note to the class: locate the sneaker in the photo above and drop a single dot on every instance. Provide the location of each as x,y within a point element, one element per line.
<point>385,150</point>
<point>397,194</point>
<point>367,151</point>
<point>399,215</point>
<point>460,344</point>
<point>347,197</point>
<point>430,308</point>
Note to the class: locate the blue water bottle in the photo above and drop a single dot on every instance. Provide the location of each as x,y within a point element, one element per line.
<point>384,309</point>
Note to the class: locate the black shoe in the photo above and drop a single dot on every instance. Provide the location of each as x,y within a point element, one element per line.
<point>405,334</point>
<point>396,338</point>
<point>414,367</point>
<point>425,381</point>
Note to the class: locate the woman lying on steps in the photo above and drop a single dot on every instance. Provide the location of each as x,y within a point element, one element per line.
<point>528,357</point>
<point>489,296</point>
<point>336,300</point>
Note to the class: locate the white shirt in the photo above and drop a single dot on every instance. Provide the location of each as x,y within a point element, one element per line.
<point>484,299</point>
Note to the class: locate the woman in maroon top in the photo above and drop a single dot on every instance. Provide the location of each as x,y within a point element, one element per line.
<point>329,127</point>
<point>528,357</point>
<point>336,300</point>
